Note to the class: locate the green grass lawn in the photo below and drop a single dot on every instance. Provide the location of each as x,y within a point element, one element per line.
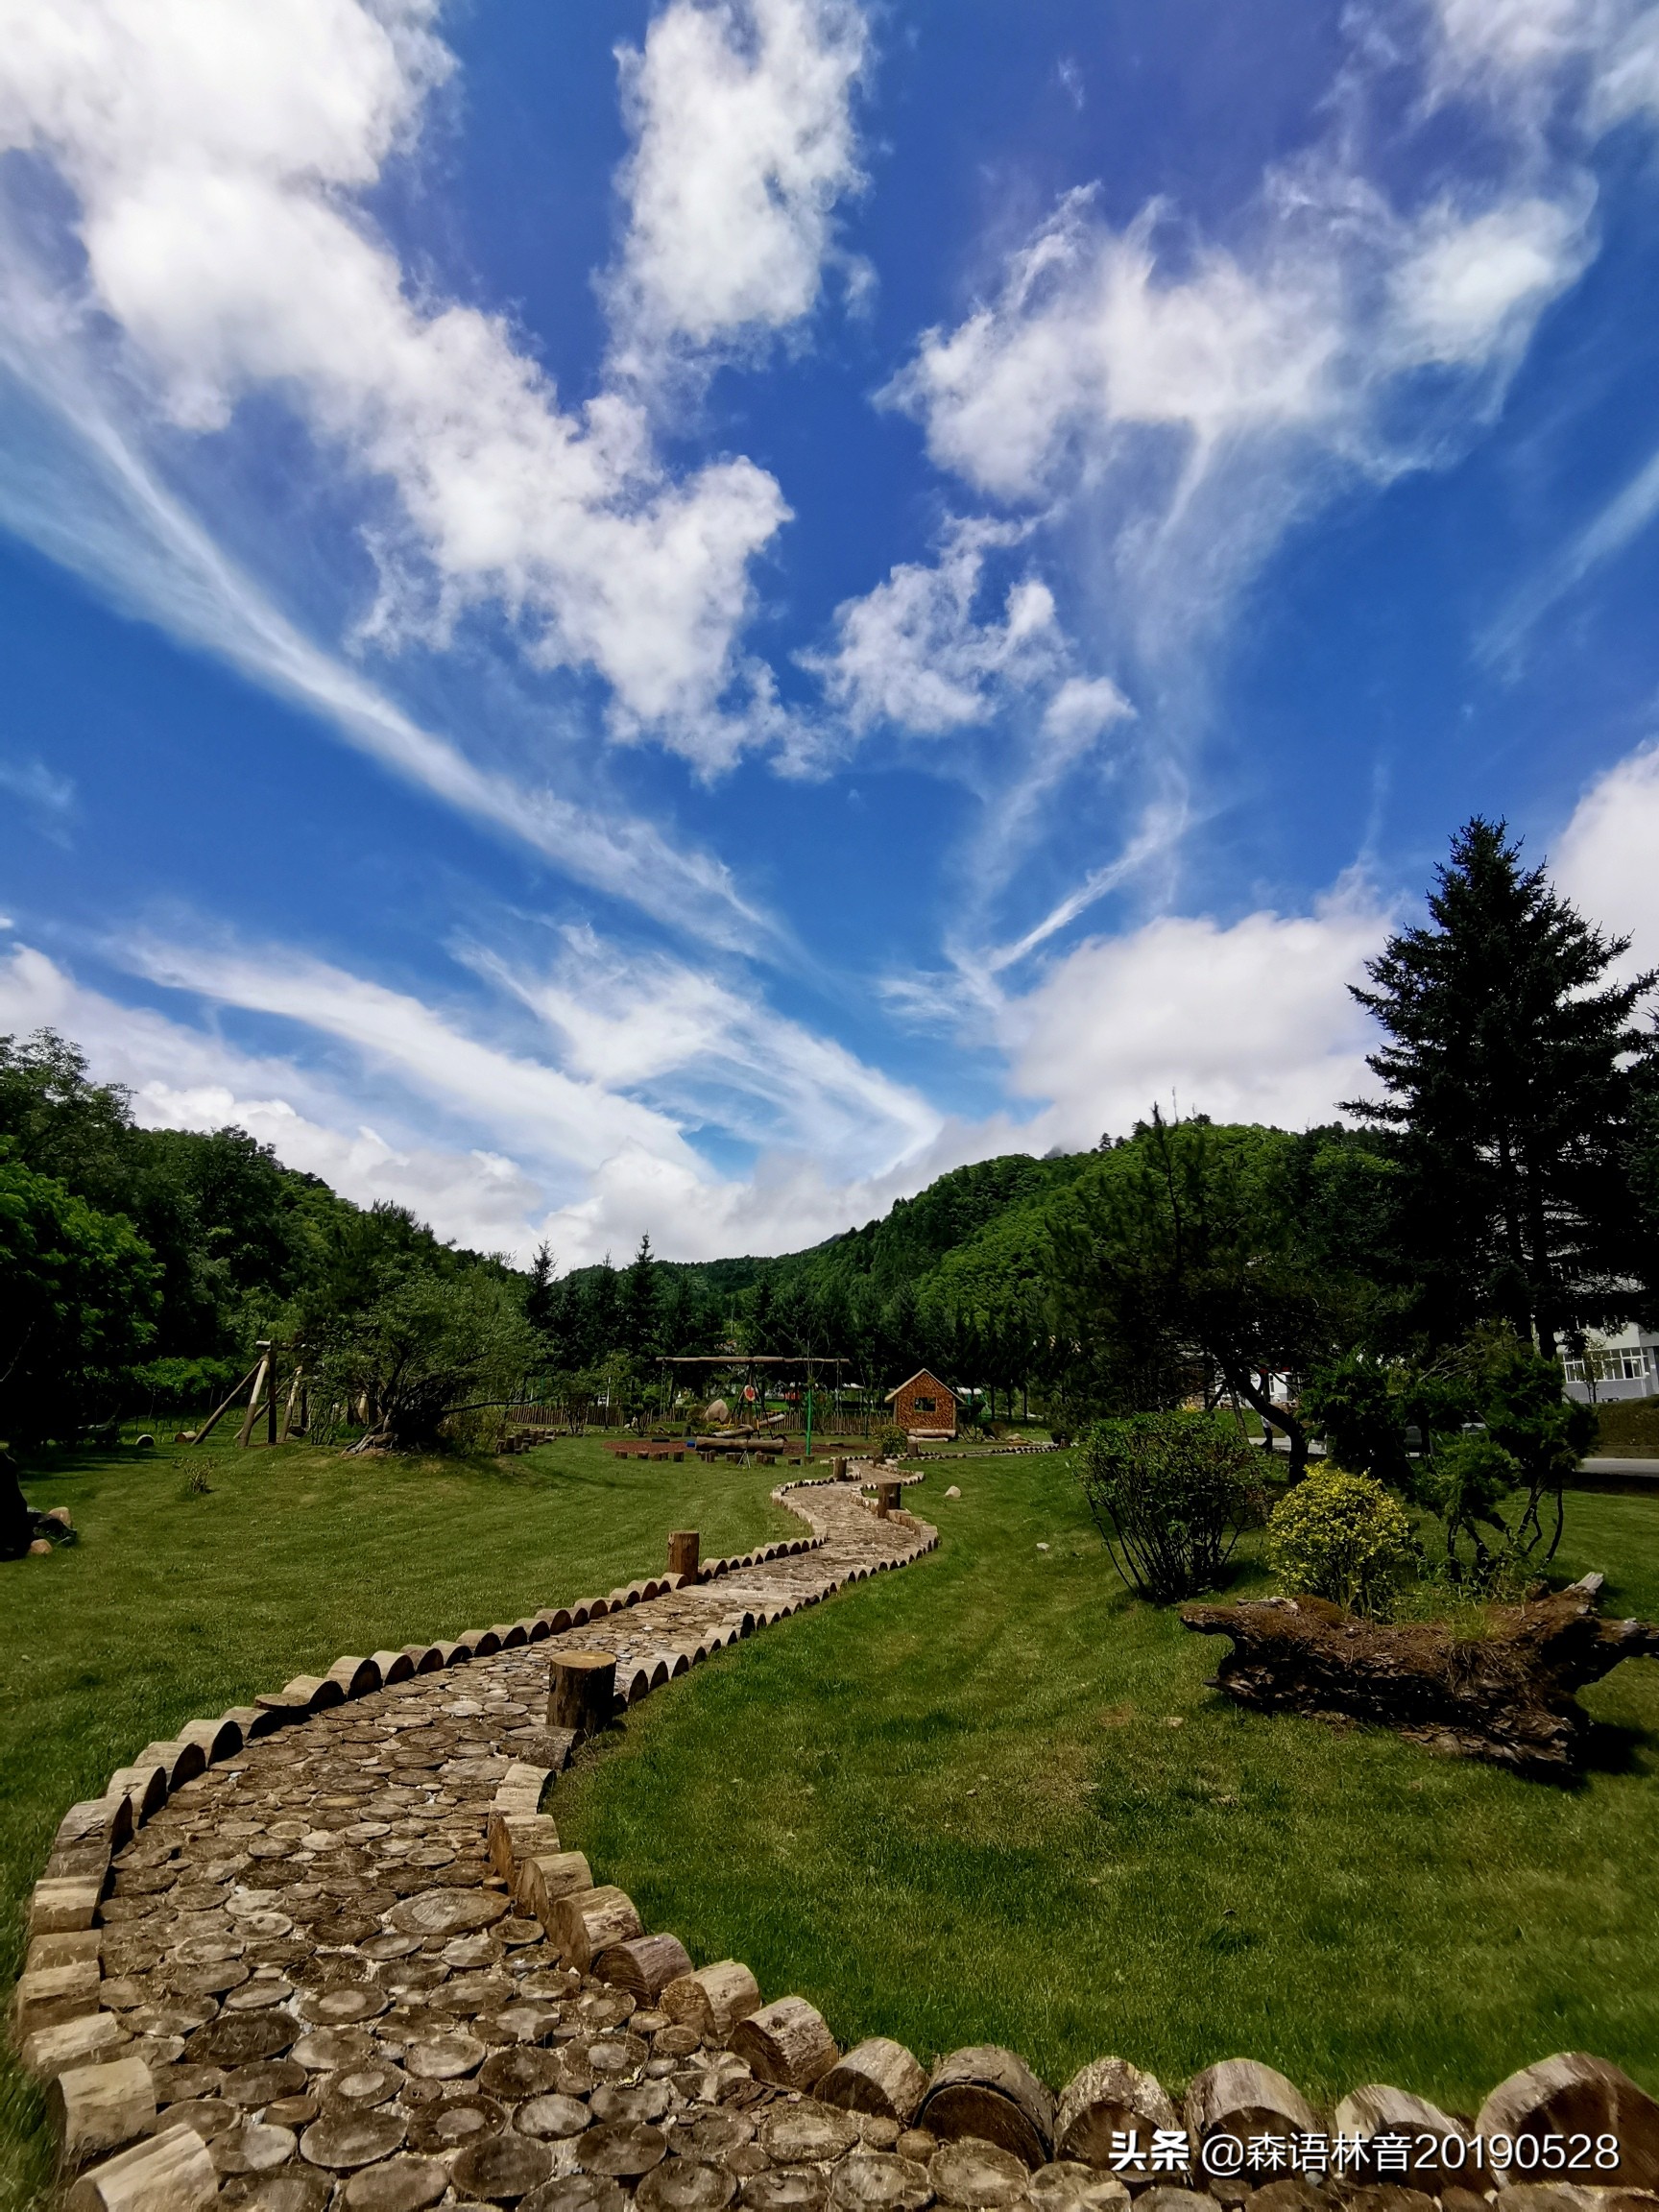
<point>991,1799</point>
<point>175,1605</point>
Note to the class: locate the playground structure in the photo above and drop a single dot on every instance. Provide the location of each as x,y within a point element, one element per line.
<point>261,1386</point>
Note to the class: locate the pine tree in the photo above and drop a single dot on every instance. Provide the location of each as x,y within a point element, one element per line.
<point>540,1297</point>
<point>1513,1072</point>
<point>639,1317</point>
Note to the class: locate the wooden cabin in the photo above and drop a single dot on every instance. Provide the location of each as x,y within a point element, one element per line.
<point>924,1406</point>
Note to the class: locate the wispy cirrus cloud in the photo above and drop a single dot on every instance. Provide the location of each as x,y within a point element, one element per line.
<point>217,168</point>
<point>76,482</point>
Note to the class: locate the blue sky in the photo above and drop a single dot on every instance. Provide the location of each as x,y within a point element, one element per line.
<point>676,617</point>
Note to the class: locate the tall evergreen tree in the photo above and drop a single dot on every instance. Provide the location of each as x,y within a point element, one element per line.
<point>1513,1072</point>
<point>639,1316</point>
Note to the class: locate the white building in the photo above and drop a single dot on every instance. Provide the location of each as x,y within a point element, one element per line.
<point>1623,1365</point>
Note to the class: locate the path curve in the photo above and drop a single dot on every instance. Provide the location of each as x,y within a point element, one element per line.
<point>323,1949</point>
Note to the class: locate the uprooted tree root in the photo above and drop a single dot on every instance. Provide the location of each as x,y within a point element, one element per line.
<point>1508,1696</point>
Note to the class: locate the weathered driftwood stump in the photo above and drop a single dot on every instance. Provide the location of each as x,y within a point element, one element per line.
<point>1508,1694</point>
<point>583,1692</point>
<point>887,1496</point>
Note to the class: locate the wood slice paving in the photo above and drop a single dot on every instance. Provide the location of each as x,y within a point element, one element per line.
<point>337,1996</point>
<point>327,1955</point>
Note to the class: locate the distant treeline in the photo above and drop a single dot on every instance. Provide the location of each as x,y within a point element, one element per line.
<point>1506,1179</point>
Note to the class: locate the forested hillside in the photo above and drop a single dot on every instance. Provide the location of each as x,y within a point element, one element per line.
<point>1506,1179</point>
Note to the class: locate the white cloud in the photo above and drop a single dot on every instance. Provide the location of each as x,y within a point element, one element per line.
<point>713,1055</point>
<point>571,1158</point>
<point>39,787</point>
<point>1598,58</point>
<point>184,1078</point>
<point>1472,287</point>
<point>1098,339</point>
<point>543,1111</point>
<point>215,156</point>
<point>75,482</point>
<point>744,143</point>
<point>1603,860</point>
<point>914,654</point>
<point>1246,1022</point>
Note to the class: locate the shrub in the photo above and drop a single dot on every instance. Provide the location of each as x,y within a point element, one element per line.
<point>1170,1494</point>
<point>1344,1537</point>
<point>891,1444</point>
<point>1359,1406</point>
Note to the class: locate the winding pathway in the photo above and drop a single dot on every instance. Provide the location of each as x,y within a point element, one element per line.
<point>332,1984</point>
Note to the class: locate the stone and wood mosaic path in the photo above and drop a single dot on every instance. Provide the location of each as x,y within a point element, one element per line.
<point>327,1952</point>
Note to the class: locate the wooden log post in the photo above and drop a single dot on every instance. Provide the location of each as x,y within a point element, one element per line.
<point>713,2000</point>
<point>684,1549</point>
<point>96,2108</point>
<point>1378,2109</point>
<point>887,1496</point>
<point>1243,2098</point>
<point>583,1692</point>
<point>1573,2094</point>
<point>989,2092</point>
<point>261,1376</point>
<point>879,2076</point>
<point>788,2044</point>
<point>590,1921</point>
<point>1105,2099</point>
<point>171,2170</point>
<point>644,1966</point>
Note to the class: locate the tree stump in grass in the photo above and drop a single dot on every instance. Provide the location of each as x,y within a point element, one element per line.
<point>583,1692</point>
<point>683,1548</point>
<point>991,2093</point>
<point>1507,1696</point>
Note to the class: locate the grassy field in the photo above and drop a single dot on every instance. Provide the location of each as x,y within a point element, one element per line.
<point>176,1603</point>
<point>991,1799</point>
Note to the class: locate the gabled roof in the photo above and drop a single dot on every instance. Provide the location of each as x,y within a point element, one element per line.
<point>922,1375</point>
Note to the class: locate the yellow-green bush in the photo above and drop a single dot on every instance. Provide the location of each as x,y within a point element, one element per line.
<point>1344,1537</point>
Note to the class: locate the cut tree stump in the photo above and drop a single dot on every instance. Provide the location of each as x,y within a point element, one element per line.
<point>1106,2098</point>
<point>683,1548</point>
<point>583,1692</point>
<point>96,2108</point>
<point>1506,1696</point>
<point>880,2077</point>
<point>991,2093</point>
<point>1378,2109</point>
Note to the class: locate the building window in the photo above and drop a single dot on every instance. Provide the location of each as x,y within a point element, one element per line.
<point>925,1405</point>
